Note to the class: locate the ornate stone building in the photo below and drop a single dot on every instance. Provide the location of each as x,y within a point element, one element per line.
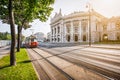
<point>111,29</point>
<point>75,27</point>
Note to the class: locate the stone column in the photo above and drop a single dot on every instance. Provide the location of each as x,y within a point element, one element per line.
<point>87,29</point>
<point>54,34</point>
<point>64,32</point>
<point>71,32</point>
<point>57,33</point>
<point>51,35</point>
<point>61,32</point>
<point>80,31</point>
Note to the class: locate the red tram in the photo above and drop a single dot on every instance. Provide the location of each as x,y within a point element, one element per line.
<point>31,42</point>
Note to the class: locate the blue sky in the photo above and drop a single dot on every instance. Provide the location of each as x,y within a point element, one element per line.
<point>107,8</point>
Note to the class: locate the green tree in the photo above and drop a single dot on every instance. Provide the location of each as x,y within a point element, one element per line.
<point>12,28</point>
<point>8,37</point>
<point>7,15</point>
<point>5,36</point>
<point>33,9</point>
<point>37,10</point>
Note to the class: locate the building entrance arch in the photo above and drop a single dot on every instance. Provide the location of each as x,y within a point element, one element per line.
<point>76,37</point>
<point>105,37</point>
<point>84,37</point>
<point>68,38</point>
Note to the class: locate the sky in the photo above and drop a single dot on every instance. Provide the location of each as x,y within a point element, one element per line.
<point>107,8</point>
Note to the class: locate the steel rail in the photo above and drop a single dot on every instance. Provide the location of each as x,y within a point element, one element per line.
<point>98,70</point>
<point>60,70</point>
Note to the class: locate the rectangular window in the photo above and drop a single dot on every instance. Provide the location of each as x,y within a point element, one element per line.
<point>68,29</point>
<point>76,29</point>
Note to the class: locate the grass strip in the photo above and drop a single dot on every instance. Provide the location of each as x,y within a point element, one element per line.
<point>22,71</point>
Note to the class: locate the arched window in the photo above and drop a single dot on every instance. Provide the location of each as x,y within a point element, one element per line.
<point>58,39</point>
<point>118,36</point>
<point>76,37</point>
<point>68,29</point>
<point>105,37</point>
<point>55,30</point>
<point>84,37</point>
<point>76,29</point>
<point>52,31</point>
<point>55,39</point>
<point>68,38</point>
<point>58,29</point>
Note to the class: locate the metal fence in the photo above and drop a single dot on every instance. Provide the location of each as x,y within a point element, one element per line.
<point>4,43</point>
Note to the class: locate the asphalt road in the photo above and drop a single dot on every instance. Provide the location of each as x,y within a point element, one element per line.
<point>65,70</point>
<point>4,51</point>
<point>105,61</point>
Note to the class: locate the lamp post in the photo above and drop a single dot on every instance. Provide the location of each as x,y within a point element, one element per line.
<point>89,11</point>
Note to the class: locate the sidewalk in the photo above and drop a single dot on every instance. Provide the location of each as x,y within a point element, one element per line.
<point>107,46</point>
<point>104,46</point>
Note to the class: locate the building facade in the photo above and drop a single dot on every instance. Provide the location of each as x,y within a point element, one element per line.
<point>48,36</point>
<point>111,29</point>
<point>75,28</point>
<point>40,36</point>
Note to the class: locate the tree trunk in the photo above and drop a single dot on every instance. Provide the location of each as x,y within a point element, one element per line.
<point>19,38</point>
<point>12,28</point>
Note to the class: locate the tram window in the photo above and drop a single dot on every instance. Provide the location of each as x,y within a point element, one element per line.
<point>35,40</point>
<point>32,40</point>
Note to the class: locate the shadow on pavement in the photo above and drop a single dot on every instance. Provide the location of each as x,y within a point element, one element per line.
<point>26,61</point>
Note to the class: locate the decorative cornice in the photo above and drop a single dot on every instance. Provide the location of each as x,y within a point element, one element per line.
<point>58,16</point>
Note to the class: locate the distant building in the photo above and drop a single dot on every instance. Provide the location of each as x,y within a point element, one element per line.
<point>48,36</point>
<point>39,36</point>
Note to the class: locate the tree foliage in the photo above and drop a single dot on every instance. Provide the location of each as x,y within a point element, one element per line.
<point>5,36</point>
<point>26,11</point>
<point>23,11</point>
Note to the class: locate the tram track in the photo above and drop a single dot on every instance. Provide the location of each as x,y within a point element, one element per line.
<point>95,68</point>
<point>97,56</point>
<point>49,68</point>
<point>110,54</point>
<point>42,75</point>
<point>104,59</point>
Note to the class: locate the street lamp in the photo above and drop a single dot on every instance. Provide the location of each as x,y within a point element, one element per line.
<point>89,10</point>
